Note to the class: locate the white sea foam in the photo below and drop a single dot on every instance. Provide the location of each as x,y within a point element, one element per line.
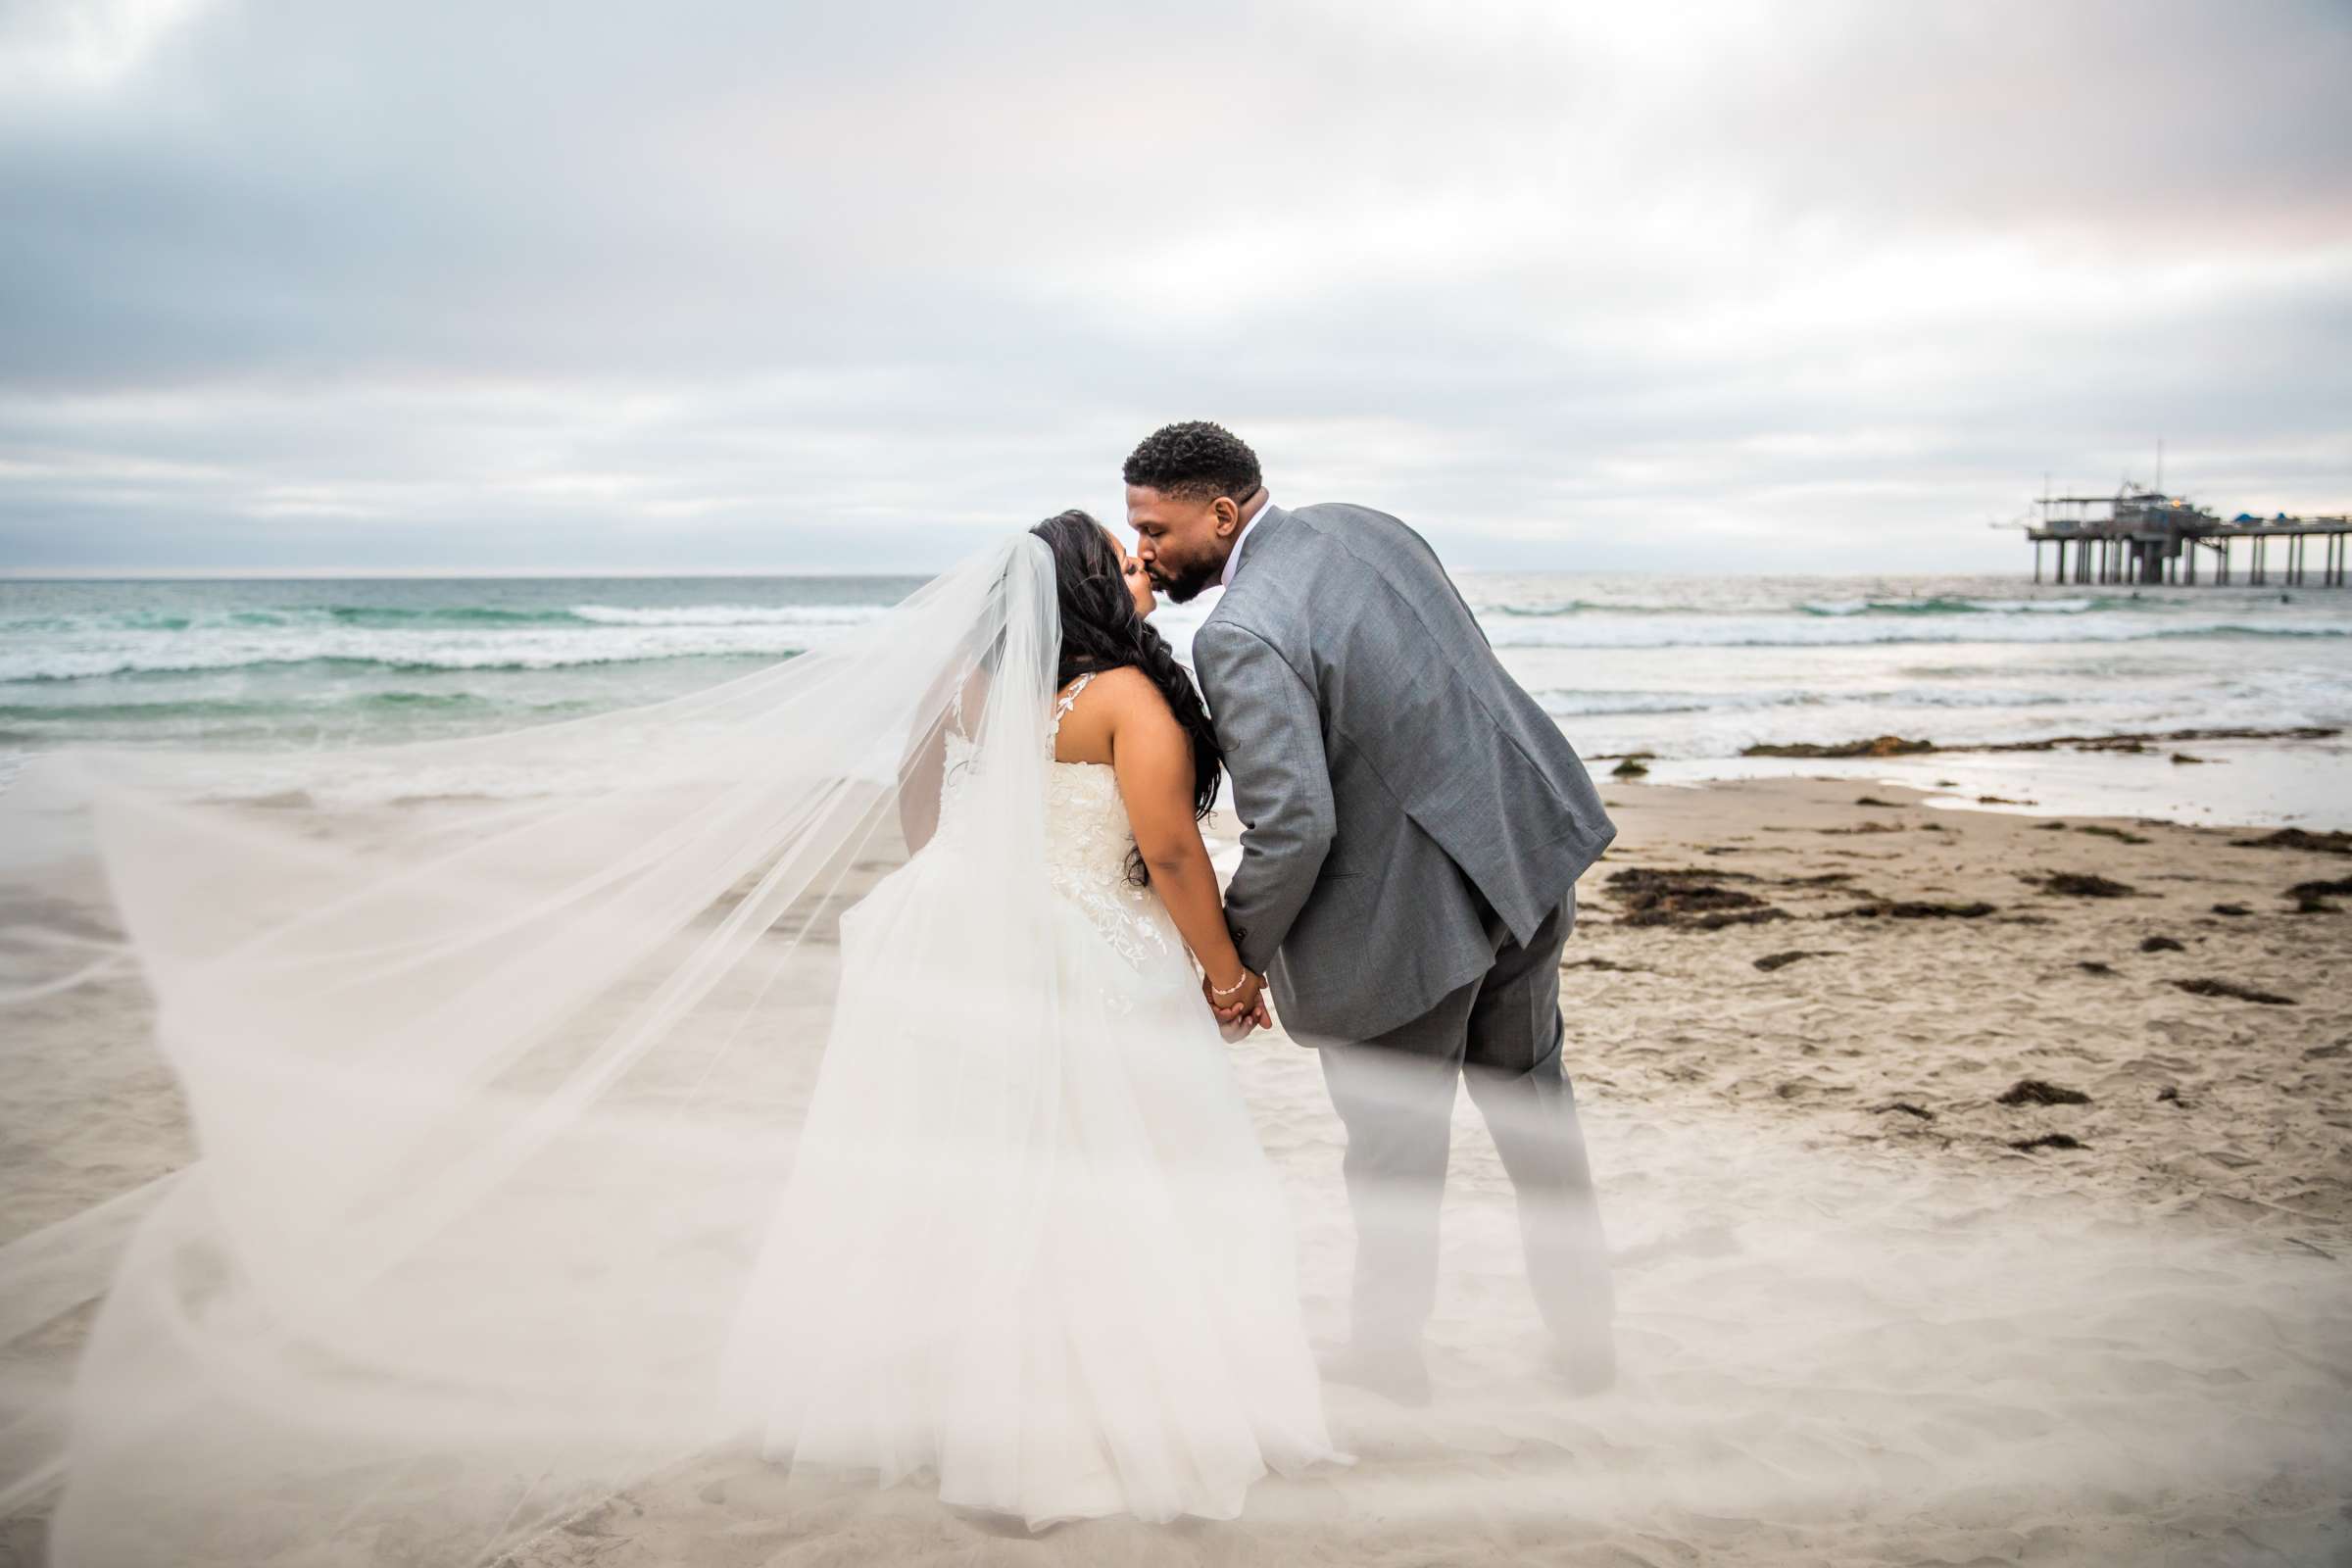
<point>1840,631</point>
<point>798,616</point>
<point>531,647</point>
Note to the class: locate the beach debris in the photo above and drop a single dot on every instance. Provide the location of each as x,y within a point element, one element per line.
<point>2051,827</point>
<point>1629,768</point>
<point>1781,960</point>
<point>1873,800</point>
<point>2343,1048</point>
<point>1876,746</point>
<point>1913,910</point>
<point>2333,842</point>
<point>1947,783</point>
<point>2231,988</point>
<point>2311,898</point>
<point>2081,885</point>
<point>2184,757</point>
<point>1757,912</point>
<point>2095,966</point>
<point>2115,833</point>
<point>2231,909</point>
<point>2039,1092</point>
<point>2160,945</point>
<point>2137,741</point>
<point>1607,964</point>
<point>293,801</point>
<point>2170,1095</point>
<point>1906,1107</point>
<point>1643,876</point>
<point>2026,919</point>
<point>1688,898</point>
<point>2049,1140</point>
<point>1821,879</point>
<point>1999,799</point>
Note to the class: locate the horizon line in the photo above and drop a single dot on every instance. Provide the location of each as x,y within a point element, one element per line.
<point>458,574</point>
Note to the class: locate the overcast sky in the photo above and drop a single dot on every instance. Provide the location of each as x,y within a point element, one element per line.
<point>294,284</point>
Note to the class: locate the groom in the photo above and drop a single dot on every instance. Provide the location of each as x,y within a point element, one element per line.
<point>1414,826</point>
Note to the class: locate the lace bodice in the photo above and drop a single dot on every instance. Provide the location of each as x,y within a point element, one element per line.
<point>1087,844</point>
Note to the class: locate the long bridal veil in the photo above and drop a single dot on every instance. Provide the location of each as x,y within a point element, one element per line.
<point>495,1052</point>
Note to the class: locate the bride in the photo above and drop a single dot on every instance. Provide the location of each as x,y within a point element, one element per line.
<point>820,1060</point>
<point>1135,1346</point>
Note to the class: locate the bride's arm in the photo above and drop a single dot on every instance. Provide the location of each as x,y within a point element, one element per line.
<point>919,775</point>
<point>1153,757</point>
<point>924,766</point>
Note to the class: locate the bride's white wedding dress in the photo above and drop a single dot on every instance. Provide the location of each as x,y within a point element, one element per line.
<point>1078,1302</point>
<point>566,1114</point>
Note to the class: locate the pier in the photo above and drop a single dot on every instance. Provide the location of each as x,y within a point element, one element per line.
<point>2147,537</point>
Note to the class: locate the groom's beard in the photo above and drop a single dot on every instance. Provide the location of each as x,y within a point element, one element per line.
<point>1189,584</point>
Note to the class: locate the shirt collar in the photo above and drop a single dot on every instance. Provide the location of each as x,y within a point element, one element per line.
<point>1233,560</point>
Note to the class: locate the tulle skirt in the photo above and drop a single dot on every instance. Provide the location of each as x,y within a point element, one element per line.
<point>1031,1246</point>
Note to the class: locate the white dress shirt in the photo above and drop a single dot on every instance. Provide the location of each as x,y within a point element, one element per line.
<point>1233,559</point>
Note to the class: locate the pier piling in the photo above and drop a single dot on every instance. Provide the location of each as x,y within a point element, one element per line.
<point>2155,539</point>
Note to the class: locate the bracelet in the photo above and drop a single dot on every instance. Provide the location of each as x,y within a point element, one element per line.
<point>1233,990</point>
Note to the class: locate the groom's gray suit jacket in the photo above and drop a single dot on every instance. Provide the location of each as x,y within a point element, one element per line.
<point>1387,772</point>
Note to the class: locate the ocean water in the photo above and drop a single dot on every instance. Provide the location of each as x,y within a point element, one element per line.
<point>1691,669</point>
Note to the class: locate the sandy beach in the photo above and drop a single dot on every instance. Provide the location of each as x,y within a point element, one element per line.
<point>1969,1202</point>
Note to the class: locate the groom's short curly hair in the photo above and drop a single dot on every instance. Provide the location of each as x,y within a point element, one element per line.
<point>1196,461</point>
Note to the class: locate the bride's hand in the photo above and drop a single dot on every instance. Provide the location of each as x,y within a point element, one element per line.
<point>1235,1001</point>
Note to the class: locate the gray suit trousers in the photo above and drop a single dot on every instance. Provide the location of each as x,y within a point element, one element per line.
<point>1502,1032</point>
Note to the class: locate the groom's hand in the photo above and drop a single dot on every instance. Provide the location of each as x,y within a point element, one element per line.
<point>1240,1026</point>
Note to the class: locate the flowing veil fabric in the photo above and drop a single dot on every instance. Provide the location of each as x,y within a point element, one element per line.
<point>496,1052</point>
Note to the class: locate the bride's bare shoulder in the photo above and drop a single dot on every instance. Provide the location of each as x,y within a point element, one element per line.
<point>1116,701</point>
<point>1128,694</point>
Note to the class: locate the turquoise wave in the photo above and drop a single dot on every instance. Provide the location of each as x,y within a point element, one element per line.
<point>340,665</point>
<point>450,615</point>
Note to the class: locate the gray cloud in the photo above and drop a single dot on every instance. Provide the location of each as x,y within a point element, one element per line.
<point>1822,286</point>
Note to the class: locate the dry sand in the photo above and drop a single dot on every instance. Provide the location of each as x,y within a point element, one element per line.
<point>1859,1325</point>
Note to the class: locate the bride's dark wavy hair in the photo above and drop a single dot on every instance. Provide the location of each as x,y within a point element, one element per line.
<point>1100,630</point>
